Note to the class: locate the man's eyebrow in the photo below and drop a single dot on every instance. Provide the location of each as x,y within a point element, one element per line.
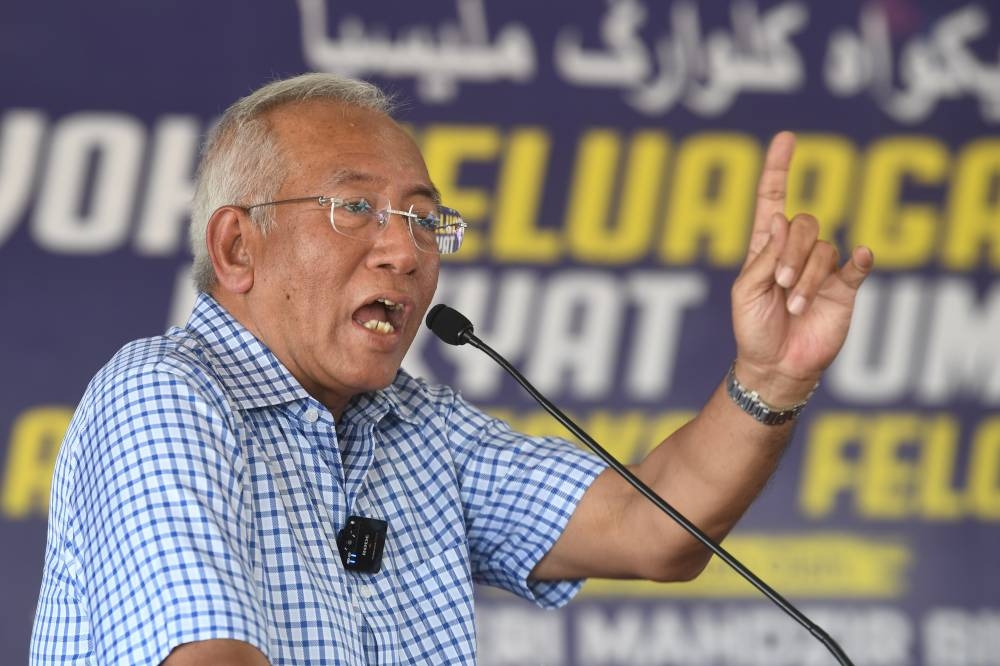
<point>344,176</point>
<point>428,191</point>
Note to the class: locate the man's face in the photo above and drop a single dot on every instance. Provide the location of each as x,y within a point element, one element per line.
<point>314,290</point>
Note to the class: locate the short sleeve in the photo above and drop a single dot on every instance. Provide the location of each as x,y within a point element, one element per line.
<point>156,539</point>
<point>519,492</point>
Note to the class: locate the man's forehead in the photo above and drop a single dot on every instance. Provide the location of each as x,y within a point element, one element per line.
<point>306,127</point>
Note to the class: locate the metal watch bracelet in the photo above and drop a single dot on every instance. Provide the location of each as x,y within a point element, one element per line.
<point>750,402</point>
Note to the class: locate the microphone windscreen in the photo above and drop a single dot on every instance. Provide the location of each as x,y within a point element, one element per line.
<point>448,324</point>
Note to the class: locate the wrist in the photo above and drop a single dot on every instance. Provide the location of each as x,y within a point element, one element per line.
<point>750,402</point>
<point>775,388</point>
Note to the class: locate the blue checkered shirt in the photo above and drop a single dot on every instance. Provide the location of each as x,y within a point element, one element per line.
<point>199,491</point>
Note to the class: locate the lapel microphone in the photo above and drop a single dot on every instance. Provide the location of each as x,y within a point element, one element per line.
<point>454,328</point>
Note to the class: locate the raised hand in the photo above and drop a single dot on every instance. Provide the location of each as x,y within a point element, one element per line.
<point>792,301</point>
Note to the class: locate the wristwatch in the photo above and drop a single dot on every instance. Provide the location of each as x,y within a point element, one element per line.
<point>749,401</point>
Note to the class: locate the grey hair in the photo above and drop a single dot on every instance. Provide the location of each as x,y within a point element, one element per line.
<point>242,163</point>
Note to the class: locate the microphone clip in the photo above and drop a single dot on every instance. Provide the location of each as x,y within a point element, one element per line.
<point>361,543</point>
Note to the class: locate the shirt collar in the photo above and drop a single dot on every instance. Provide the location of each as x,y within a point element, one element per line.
<point>376,405</point>
<point>254,376</point>
<point>249,371</point>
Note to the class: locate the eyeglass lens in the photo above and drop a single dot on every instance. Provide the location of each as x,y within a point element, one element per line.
<point>434,228</point>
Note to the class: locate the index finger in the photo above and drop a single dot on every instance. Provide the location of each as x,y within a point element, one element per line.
<point>771,190</point>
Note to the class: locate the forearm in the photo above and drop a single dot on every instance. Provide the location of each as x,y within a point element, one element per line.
<point>711,470</point>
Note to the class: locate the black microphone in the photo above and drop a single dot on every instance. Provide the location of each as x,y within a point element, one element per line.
<point>449,324</point>
<point>454,328</point>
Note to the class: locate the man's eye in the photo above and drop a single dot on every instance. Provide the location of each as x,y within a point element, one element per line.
<point>357,206</point>
<point>427,220</point>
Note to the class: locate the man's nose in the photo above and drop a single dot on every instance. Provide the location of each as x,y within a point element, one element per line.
<point>394,247</point>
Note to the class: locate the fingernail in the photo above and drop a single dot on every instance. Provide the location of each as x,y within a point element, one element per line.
<point>796,304</point>
<point>785,276</point>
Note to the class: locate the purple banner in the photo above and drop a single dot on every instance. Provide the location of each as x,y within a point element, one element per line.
<point>606,158</point>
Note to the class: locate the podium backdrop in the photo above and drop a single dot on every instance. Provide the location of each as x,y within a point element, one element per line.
<point>605,154</point>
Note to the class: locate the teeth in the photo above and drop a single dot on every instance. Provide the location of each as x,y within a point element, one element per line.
<point>379,326</point>
<point>391,305</point>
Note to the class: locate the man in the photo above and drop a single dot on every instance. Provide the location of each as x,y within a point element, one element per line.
<point>206,475</point>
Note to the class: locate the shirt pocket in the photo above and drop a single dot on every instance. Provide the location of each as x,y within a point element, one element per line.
<point>436,609</point>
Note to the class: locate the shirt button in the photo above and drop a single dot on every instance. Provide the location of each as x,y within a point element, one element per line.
<point>312,415</point>
<point>366,591</point>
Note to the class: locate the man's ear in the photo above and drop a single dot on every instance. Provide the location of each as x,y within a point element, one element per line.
<point>229,240</point>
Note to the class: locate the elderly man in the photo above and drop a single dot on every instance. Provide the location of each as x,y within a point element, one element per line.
<point>207,473</point>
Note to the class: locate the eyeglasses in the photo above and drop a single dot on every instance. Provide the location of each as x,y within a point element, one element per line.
<point>433,228</point>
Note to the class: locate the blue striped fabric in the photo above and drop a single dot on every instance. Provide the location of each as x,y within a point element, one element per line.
<point>199,491</point>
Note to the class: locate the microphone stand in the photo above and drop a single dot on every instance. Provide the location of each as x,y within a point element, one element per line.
<point>464,334</point>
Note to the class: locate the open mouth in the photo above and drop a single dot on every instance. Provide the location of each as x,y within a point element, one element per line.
<point>380,316</point>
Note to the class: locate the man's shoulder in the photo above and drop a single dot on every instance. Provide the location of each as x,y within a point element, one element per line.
<point>176,357</point>
<point>152,389</point>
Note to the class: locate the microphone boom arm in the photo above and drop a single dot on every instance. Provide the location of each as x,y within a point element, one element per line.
<point>465,335</point>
